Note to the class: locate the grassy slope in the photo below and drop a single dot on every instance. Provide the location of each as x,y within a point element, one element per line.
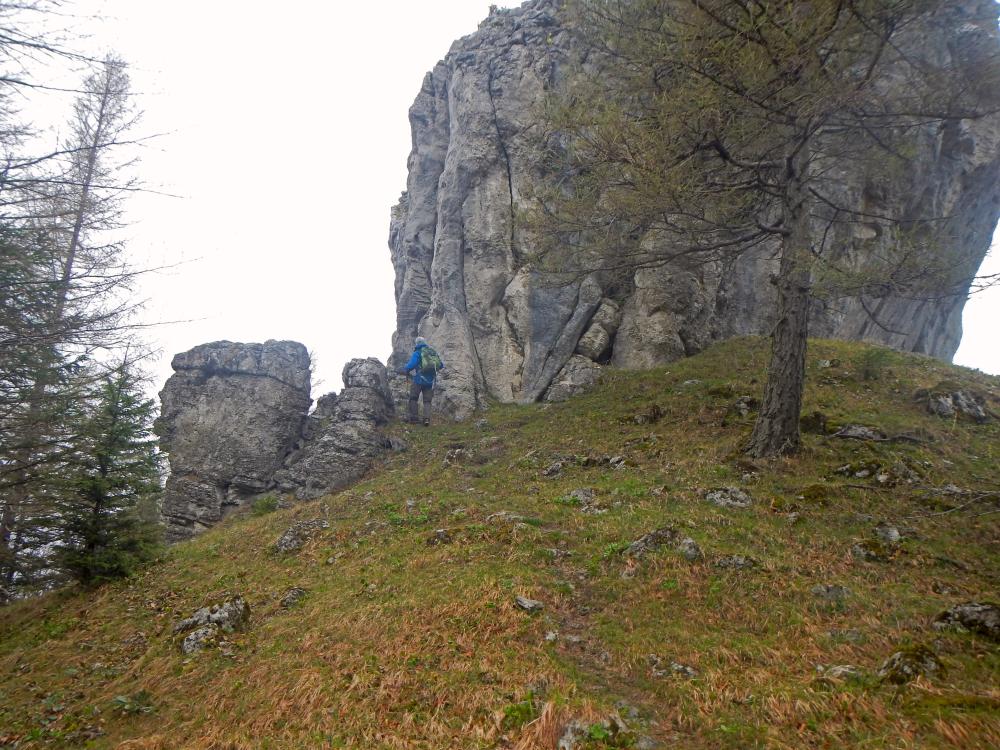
<point>403,644</point>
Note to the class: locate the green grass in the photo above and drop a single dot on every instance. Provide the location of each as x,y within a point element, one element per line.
<point>404,644</point>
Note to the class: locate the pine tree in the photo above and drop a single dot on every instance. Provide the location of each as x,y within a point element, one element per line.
<point>111,478</point>
<point>716,128</point>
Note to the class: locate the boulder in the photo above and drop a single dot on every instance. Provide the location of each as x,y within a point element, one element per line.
<point>577,376</point>
<point>230,414</point>
<point>230,615</point>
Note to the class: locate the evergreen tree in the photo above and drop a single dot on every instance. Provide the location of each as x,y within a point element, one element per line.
<point>65,283</point>
<point>700,130</point>
<point>110,479</point>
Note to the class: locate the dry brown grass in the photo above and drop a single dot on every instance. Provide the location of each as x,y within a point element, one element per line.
<point>403,645</point>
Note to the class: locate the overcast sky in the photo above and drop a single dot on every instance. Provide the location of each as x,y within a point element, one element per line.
<point>286,138</point>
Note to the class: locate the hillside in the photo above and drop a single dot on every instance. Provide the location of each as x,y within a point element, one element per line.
<point>408,634</point>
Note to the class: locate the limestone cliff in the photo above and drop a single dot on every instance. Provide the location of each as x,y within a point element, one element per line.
<point>506,334</point>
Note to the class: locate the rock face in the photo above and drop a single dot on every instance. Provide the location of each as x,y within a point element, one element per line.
<point>229,415</point>
<point>342,436</point>
<point>507,334</point>
<point>234,424</point>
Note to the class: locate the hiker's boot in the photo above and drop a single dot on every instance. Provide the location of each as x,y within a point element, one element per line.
<point>427,422</point>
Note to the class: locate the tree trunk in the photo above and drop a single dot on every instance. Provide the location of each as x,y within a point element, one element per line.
<point>776,431</point>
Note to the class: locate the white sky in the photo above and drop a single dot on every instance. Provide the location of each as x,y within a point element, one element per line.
<point>287,138</point>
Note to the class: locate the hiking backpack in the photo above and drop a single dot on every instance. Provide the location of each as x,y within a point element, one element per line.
<point>430,362</point>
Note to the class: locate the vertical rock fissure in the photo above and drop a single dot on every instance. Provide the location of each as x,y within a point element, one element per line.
<point>506,159</point>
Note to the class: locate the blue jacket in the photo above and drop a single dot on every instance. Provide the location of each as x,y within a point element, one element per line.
<point>414,364</point>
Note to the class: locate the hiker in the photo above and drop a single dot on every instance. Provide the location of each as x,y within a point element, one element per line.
<point>425,364</point>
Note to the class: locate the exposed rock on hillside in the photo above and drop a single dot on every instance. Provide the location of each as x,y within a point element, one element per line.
<point>229,415</point>
<point>234,424</point>
<point>507,334</point>
<point>343,435</point>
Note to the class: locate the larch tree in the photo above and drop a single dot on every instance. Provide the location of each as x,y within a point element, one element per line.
<point>718,127</point>
<point>68,282</point>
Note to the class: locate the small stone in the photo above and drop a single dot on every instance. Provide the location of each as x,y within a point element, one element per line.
<point>843,672</point>
<point>860,432</point>
<point>504,516</point>
<point>830,592</point>
<point>948,400</point>
<point>626,708</point>
<point>981,618</point>
<point>888,534</point>
<point>292,597</point>
<point>530,606</point>
<point>729,497</point>
<point>587,500</point>
<point>553,470</point>
<point>574,733</point>
<point>838,674</point>
<point>689,549</point>
<point>742,406</point>
<point>683,670</point>
<point>870,552</point>
<point>298,534</point>
<point>650,542</point>
<point>736,562</point>
<point>944,589</point>
<point>659,668</point>
<point>440,536</point>
<point>908,664</point>
<point>456,456</point>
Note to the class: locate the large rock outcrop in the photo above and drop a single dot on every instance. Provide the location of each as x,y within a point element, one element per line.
<point>229,415</point>
<point>342,436</point>
<point>508,333</point>
<point>235,424</point>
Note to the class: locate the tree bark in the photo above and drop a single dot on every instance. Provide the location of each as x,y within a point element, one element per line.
<point>776,431</point>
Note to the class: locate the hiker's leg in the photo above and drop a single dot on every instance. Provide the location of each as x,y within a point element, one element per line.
<point>414,395</point>
<point>428,397</point>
